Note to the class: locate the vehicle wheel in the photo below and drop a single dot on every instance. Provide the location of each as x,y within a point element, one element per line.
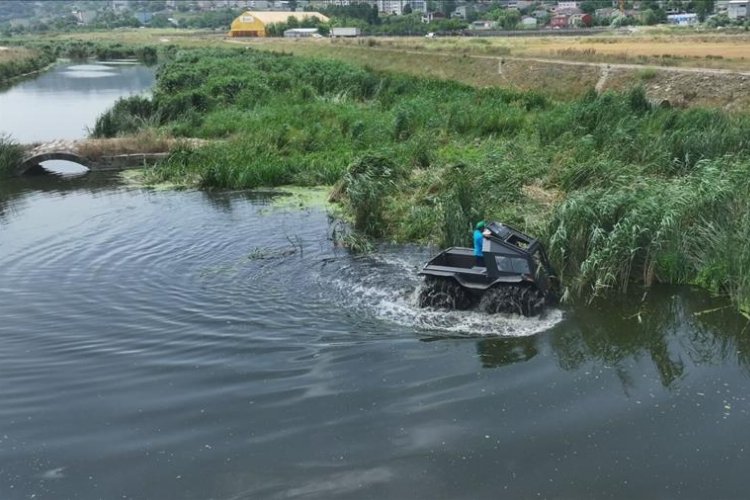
<point>443,293</point>
<point>512,299</point>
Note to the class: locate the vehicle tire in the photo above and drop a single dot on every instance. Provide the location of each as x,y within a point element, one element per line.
<point>443,293</point>
<point>512,299</point>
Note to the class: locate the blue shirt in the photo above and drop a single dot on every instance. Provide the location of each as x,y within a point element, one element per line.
<point>478,239</point>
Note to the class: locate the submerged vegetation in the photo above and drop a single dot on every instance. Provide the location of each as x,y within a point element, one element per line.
<point>622,191</point>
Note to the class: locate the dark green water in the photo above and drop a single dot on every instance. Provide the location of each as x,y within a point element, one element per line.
<point>190,345</point>
<point>194,345</point>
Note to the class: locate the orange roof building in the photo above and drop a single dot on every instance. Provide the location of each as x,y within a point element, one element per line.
<point>254,23</point>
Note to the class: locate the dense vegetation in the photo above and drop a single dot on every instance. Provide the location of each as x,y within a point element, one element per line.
<point>22,61</point>
<point>35,55</point>
<point>622,192</point>
<point>10,155</point>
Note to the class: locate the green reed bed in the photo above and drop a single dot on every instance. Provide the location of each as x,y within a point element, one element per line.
<point>618,189</point>
<point>20,61</point>
<point>11,154</point>
<point>39,53</point>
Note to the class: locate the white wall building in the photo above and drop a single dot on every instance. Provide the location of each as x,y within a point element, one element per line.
<point>397,6</point>
<point>567,5</point>
<point>737,9</point>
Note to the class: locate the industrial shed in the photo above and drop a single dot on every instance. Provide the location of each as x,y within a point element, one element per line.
<point>254,23</point>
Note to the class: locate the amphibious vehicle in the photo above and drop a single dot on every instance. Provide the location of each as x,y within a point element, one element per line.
<point>516,278</point>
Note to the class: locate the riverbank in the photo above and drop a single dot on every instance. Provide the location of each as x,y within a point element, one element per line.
<point>20,56</point>
<point>684,71</point>
<point>10,155</point>
<point>19,61</point>
<point>621,191</point>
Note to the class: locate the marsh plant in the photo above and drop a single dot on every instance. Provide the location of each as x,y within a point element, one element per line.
<point>624,193</point>
<point>11,154</point>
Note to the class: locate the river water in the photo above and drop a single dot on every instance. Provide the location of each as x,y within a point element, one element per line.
<point>194,345</point>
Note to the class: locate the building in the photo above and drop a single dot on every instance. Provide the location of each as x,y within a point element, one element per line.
<point>463,12</point>
<point>143,16</point>
<point>397,6</point>
<point>432,16</point>
<point>260,4</point>
<point>120,5</point>
<point>254,23</point>
<point>483,25</point>
<point>520,4</point>
<point>559,21</point>
<point>737,9</point>
<point>567,5</point>
<point>84,16</point>
<point>528,22</point>
<point>580,21</point>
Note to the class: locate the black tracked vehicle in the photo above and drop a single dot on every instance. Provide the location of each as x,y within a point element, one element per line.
<point>518,277</point>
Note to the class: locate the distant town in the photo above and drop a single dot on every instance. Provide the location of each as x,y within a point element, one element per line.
<point>370,17</point>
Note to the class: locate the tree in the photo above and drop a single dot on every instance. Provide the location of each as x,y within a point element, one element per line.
<point>291,22</point>
<point>588,7</point>
<point>703,8</point>
<point>508,18</point>
<point>407,9</point>
<point>160,21</point>
<point>374,17</point>
<point>448,6</point>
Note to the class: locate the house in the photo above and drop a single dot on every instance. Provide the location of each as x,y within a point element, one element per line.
<point>580,21</point>
<point>520,4</point>
<point>397,6</point>
<point>567,5</point>
<point>539,13</point>
<point>462,12</point>
<point>84,16</point>
<point>721,6</point>
<point>605,13</point>
<point>737,9</point>
<point>143,17</point>
<point>120,5</point>
<point>254,23</point>
<point>528,22</point>
<point>260,4</point>
<point>432,16</point>
<point>567,11</point>
<point>559,21</point>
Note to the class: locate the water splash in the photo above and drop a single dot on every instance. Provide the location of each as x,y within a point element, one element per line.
<point>386,287</point>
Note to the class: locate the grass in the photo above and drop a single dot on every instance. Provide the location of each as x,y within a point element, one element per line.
<point>17,61</point>
<point>476,62</point>
<point>146,140</point>
<point>645,47</point>
<point>11,154</point>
